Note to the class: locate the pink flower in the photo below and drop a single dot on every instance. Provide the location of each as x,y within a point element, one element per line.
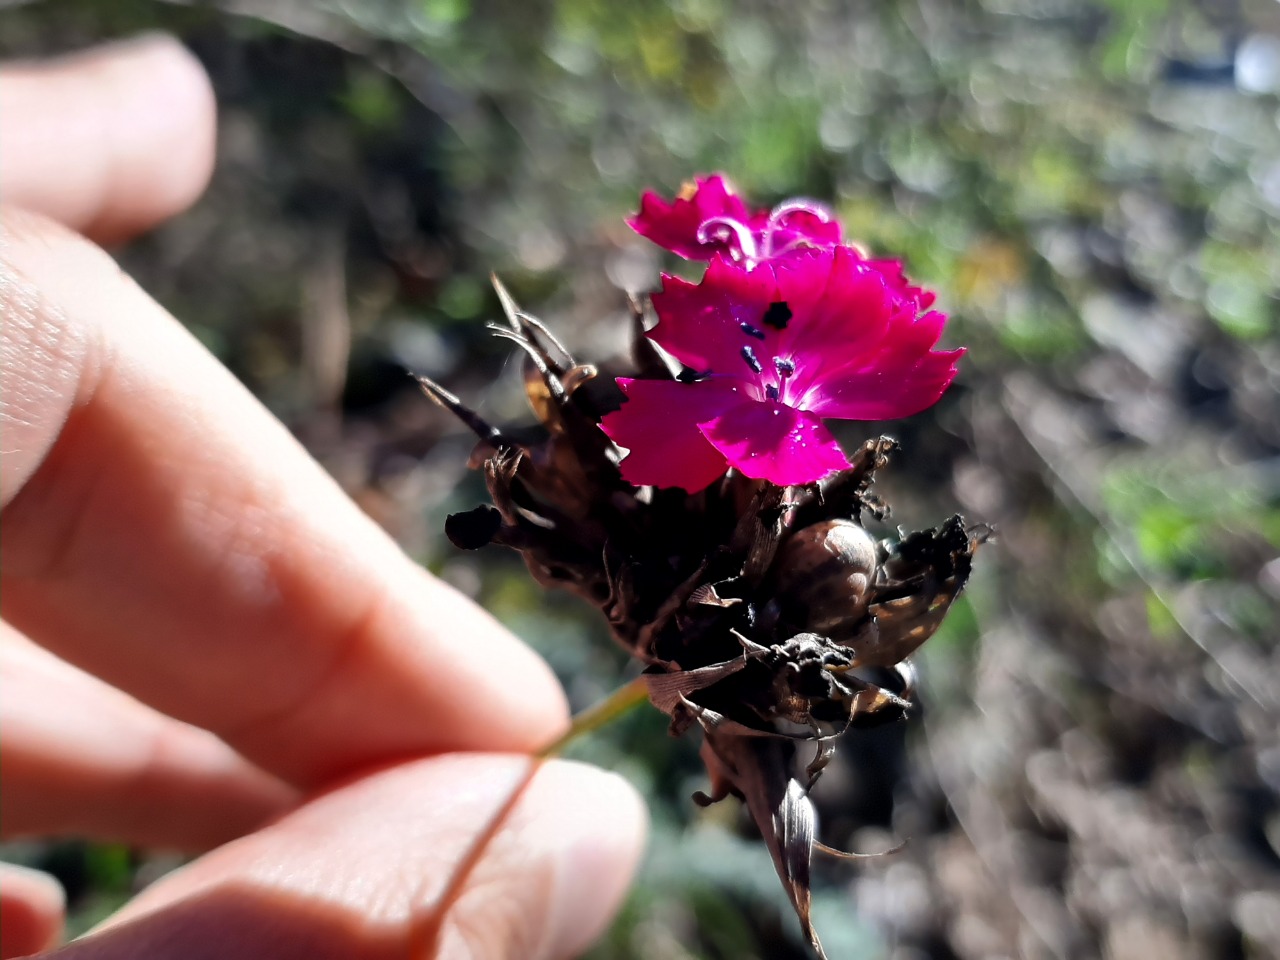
<point>776,349</point>
<point>708,218</point>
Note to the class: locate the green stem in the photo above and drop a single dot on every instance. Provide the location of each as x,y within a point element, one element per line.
<point>622,700</point>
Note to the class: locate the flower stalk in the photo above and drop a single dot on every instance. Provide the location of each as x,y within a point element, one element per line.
<point>617,704</point>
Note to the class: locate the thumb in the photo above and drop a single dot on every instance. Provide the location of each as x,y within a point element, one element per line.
<point>480,856</point>
<point>31,910</point>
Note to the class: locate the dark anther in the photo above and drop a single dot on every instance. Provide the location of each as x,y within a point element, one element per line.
<point>690,375</point>
<point>778,315</point>
<point>771,391</point>
<point>751,331</point>
<point>749,355</point>
<point>784,367</point>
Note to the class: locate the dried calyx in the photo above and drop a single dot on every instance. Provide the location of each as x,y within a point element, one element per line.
<point>762,613</point>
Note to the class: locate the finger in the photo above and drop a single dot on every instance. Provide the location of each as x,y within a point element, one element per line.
<point>32,906</point>
<point>79,758</point>
<point>430,859</point>
<point>170,537</point>
<point>110,141</point>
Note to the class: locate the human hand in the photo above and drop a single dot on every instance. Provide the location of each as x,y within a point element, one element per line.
<point>255,663</point>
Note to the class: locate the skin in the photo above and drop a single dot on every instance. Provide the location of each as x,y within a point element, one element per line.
<point>206,645</point>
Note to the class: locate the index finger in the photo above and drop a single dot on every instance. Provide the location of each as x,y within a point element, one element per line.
<point>170,536</point>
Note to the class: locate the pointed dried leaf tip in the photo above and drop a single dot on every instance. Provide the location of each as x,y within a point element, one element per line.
<point>794,823</point>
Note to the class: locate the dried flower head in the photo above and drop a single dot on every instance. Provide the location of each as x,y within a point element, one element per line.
<point>762,609</point>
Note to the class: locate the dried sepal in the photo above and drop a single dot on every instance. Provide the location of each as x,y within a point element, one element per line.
<point>758,772</point>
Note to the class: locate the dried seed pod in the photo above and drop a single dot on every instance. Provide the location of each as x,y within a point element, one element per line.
<point>822,578</point>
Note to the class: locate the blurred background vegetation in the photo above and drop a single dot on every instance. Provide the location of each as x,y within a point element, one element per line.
<point>1094,190</point>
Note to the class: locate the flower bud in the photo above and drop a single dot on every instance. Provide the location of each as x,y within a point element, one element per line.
<point>823,577</point>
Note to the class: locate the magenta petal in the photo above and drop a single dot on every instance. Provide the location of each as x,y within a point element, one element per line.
<point>883,390</point>
<point>920,335</point>
<point>896,277</point>
<point>845,306</point>
<point>801,283</point>
<point>771,441</point>
<point>674,226</point>
<point>862,352</point>
<point>707,325</point>
<point>807,327</point>
<point>658,424</point>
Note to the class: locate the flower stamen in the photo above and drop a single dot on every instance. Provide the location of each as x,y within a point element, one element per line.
<point>779,214</point>
<point>734,234</point>
<point>783,212</point>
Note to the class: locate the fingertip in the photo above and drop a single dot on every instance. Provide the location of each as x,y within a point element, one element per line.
<point>535,714</point>
<point>165,141</point>
<point>602,823</point>
<point>109,141</point>
<point>32,906</point>
<point>548,854</point>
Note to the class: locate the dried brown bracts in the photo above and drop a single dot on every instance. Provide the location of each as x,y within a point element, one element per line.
<point>758,610</point>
